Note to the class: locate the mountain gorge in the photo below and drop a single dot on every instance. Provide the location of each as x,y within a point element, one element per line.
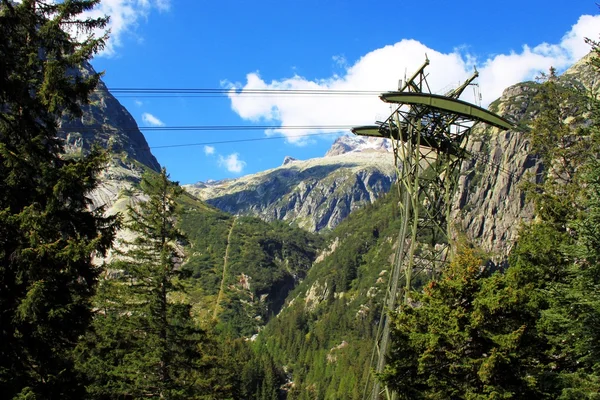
<point>349,276</point>
<point>296,258</point>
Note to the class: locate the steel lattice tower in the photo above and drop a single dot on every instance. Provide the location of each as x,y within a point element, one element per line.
<point>429,134</point>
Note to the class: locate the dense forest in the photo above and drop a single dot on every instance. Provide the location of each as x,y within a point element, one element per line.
<point>194,303</point>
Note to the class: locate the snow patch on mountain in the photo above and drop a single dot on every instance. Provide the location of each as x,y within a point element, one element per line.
<point>357,144</point>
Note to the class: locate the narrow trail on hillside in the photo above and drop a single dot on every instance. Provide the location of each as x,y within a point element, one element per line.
<point>225,259</point>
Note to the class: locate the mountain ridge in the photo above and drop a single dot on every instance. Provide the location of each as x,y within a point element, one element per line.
<point>315,194</point>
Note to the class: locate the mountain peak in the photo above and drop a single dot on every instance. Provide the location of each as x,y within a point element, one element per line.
<point>356,144</point>
<point>288,160</point>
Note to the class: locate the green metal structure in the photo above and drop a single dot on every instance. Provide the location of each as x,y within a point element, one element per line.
<point>429,133</point>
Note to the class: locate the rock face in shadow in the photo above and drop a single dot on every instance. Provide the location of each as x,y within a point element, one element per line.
<point>107,123</point>
<point>315,194</point>
<point>490,205</point>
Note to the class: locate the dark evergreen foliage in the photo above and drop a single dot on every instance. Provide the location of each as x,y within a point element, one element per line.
<point>145,344</point>
<point>470,335</point>
<point>48,234</point>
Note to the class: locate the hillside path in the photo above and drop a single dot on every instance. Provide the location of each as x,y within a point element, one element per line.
<point>225,259</point>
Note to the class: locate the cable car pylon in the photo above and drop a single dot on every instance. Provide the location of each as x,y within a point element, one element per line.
<point>429,134</point>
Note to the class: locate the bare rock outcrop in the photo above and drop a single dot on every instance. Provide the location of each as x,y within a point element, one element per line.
<point>314,194</point>
<point>490,204</point>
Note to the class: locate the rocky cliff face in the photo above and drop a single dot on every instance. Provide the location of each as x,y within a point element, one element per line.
<point>490,204</point>
<point>107,123</point>
<point>315,194</point>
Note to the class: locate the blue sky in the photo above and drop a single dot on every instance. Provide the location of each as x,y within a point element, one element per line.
<point>310,44</point>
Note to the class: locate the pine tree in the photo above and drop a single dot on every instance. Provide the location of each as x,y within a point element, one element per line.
<point>561,148</point>
<point>572,320</point>
<point>470,335</point>
<point>48,235</point>
<point>145,344</point>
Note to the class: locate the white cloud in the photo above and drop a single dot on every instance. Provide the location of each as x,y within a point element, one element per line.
<point>232,163</point>
<point>138,103</point>
<point>209,150</point>
<point>380,71</point>
<point>152,120</point>
<point>124,18</point>
<point>340,61</point>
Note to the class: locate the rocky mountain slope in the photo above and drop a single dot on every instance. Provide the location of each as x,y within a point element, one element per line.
<point>490,204</point>
<point>315,194</point>
<point>106,123</point>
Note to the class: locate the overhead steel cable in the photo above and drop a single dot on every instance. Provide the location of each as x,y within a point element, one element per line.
<point>237,141</point>
<point>227,92</point>
<point>238,91</point>
<point>485,160</point>
<point>334,128</point>
<point>225,96</point>
<point>100,128</point>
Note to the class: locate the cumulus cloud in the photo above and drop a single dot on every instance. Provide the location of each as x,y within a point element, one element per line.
<point>232,163</point>
<point>380,70</point>
<point>125,16</point>
<point>209,150</point>
<point>152,120</point>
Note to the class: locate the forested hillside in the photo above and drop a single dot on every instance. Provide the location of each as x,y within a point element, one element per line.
<point>324,337</point>
<point>242,268</point>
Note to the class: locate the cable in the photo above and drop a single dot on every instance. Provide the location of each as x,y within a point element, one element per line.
<point>228,92</point>
<point>238,91</point>
<point>99,128</point>
<point>223,96</point>
<point>238,141</point>
<point>336,128</point>
<point>486,159</point>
